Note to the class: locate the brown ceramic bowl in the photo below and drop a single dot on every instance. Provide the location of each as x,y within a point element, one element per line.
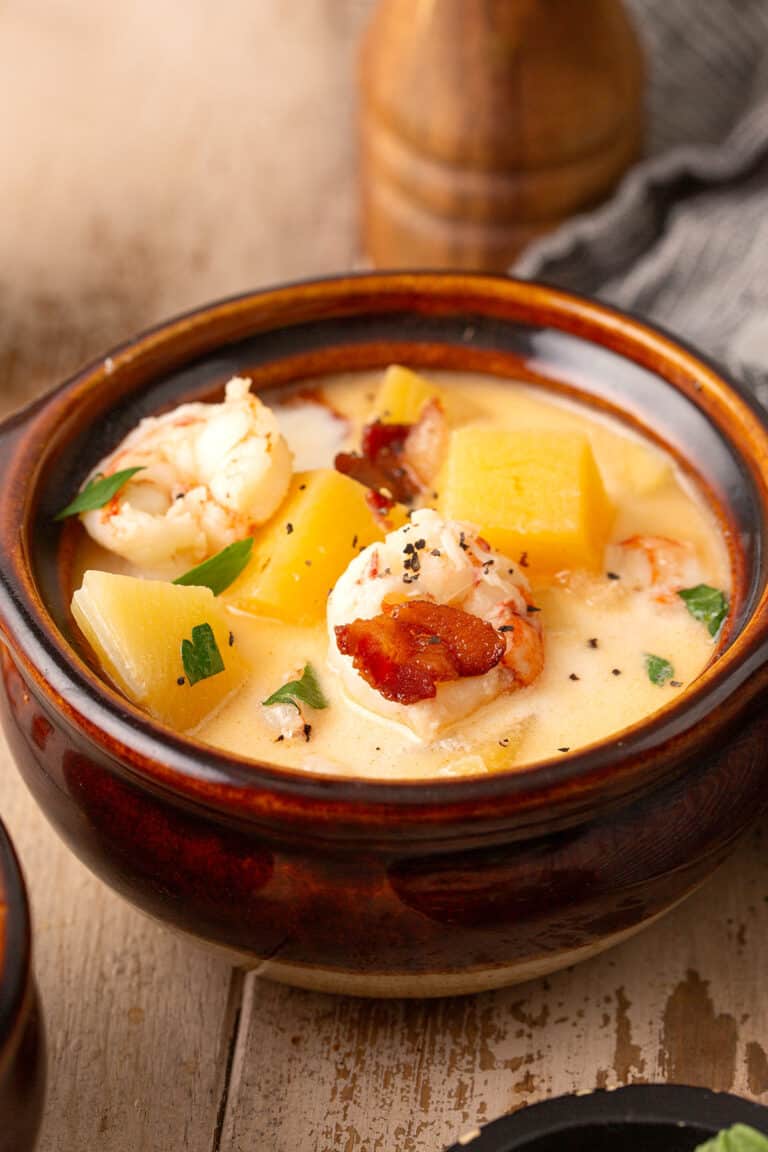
<point>22,1060</point>
<point>417,888</point>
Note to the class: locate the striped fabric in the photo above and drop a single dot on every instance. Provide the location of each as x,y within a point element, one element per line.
<point>684,240</point>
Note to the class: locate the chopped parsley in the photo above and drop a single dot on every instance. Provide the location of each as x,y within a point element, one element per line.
<point>739,1138</point>
<point>97,492</point>
<point>219,571</point>
<point>708,605</point>
<point>307,690</point>
<point>659,670</point>
<point>200,655</point>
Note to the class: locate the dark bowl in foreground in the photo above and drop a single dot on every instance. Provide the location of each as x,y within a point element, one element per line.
<point>639,1118</point>
<point>422,888</point>
<point>22,1061</point>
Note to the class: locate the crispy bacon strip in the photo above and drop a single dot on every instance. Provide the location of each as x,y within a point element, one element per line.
<point>410,648</point>
<point>399,458</point>
<point>380,465</point>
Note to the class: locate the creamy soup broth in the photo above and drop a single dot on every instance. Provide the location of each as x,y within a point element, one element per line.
<point>597,636</point>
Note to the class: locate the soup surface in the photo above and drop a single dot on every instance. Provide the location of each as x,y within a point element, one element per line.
<point>601,555</point>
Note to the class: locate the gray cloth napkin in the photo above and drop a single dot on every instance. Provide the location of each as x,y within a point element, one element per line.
<point>684,241</point>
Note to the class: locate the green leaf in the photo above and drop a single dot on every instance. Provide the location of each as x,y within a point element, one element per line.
<point>218,572</point>
<point>740,1138</point>
<point>659,670</point>
<point>97,492</point>
<point>307,690</point>
<point>709,605</point>
<point>200,655</point>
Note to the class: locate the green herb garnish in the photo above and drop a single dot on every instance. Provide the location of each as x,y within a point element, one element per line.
<point>218,572</point>
<point>659,670</point>
<point>307,690</point>
<point>200,655</point>
<point>740,1138</point>
<point>709,605</point>
<point>97,492</point>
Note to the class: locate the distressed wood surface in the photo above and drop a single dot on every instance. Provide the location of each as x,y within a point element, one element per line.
<point>219,155</point>
<point>682,1002</point>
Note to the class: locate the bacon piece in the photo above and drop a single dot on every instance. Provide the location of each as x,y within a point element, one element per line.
<point>401,459</point>
<point>379,465</point>
<point>410,648</point>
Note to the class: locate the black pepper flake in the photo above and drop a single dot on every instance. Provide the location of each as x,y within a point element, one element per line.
<point>420,544</point>
<point>409,549</point>
<point>573,676</point>
<point>565,749</point>
<point>463,542</point>
<point>181,681</point>
<point>506,628</point>
<point>616,671</point>
<point>675,683</point>
<point>435,552</point>
<point>231,639</point>
<point>378,749</point>
<point>532,608</point>
<point>289,527</point>
<point>613,576</point>
<point>593,643</point>
<point>408,579</point>
<point>504,742</point>
<point>307,730</point>
<point>279,738</point>
<point>354,540</point>
<point>523,561</point>
<point>302,487</point>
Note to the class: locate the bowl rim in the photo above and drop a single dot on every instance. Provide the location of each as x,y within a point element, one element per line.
<point>15,949</point>
<point>652,1104</point>
<point>153,754</point>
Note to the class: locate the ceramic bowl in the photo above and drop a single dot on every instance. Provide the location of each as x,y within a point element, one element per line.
<point>420,888</point>
<point>639,1118</point>
<point>22,1061</point>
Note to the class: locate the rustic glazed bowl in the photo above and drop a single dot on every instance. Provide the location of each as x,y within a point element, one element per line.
<point>639,1118</point>
<point>22,1062</point>
<point>418,888</point>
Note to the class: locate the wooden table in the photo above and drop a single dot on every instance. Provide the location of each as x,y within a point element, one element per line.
<point>155,1045</point>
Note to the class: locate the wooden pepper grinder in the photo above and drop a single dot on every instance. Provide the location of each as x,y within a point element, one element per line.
<point>487,122</point>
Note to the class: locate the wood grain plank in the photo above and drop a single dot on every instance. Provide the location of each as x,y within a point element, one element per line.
<point>138,1022</point>
<point>683,1001</point>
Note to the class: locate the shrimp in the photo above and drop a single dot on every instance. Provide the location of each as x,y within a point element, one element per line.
<point>210,473</point>
<point>657,564</point>
<point>430,624</point>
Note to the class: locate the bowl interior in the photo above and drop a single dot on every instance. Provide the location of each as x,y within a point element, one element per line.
<point>566,362</point>
<point>470,324</point>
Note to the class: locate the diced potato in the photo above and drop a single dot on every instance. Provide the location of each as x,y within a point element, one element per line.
<point>136,628</point>
<point>402,396</point>
<point>538,493</point>
<point>300,554</point>
<point>646,470</point>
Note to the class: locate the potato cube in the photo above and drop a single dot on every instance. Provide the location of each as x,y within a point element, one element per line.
<point>402,396</point>
<point>300,553</point>
<point>136,628</point>
<point>537,492</point>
